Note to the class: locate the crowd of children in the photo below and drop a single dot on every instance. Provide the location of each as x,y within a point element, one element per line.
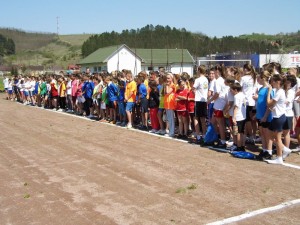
<point>238,100</point>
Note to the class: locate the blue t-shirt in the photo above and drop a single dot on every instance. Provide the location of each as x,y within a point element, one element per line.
<point>121,96</point>
<point>88,88</point>
<point>261,105</point>
<point>112,92</point>
<point>142,90</point>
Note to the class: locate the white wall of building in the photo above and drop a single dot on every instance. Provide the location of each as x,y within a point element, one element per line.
<point>126,60</point>
<point>177,69</point>
<point>286,60</point>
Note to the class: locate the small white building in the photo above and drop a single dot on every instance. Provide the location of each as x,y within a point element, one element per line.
<point>122,57</point>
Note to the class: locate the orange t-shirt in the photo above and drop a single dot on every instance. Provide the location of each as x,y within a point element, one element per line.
<point>169,100</point>
<point>130,87</point>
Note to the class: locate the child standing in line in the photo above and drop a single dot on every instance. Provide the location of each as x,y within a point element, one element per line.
<point>161,108</point>
<point>290,82</point>
<point>104,102</point>
<point>121,103</point>
<point>191,104</point>
<point>169,103</point>
<point>153,105</point>
<point>264,115</point>
<point>130,97</point>
<point>9,89</point>
<point>112,94</point>
<point>239,115</point>
<point>278,106</point>
<point>182,113</point>
<point>143,101</point>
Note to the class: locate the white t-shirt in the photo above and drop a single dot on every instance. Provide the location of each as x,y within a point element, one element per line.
<point>5,82</point>
<point>289,102</point>
<point>9,86</point>
<point>230,98</point>
<point>248,88</point>
<point>240,103</point>
<point>280,107</point>
<point>296,88</point>
<point>201,89</point>
<point>222,90</point>
<point>27,86</point>
<point>69,87</point>
<point>32,83</point>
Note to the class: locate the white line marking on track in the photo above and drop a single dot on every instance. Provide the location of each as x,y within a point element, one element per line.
<point>256,212</point>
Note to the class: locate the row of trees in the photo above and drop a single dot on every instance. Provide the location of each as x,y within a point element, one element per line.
<point>198,44</point>
<point>7,46</point>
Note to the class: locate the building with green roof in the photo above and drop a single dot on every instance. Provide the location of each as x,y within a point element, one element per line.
<point>122,57</point>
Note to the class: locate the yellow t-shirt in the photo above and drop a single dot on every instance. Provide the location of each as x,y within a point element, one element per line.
<point>130,87</point>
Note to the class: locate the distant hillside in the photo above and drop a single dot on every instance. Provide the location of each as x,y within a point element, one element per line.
<point>46,49</point>
<point>28,40</point>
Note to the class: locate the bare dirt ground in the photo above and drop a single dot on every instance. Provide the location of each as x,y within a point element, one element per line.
<point>58,169</point>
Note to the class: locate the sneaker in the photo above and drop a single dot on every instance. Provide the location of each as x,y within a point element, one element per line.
<point>220,145</point>
<point>179,136</point>
<point>258,140</point>
<point>277,160</point>
<point>129,126</point>
<point>200,141</point>
<point>296,149</point>
<point>264,155</point>
<point>232,148</point>
<point>184,137</point>
<point>118,123</point>
<point>162,132</point>
<point>123,124</point>
<point>286,152</point>
<point>169,135</point>
<point>250,141</point>
<point>153,131</point>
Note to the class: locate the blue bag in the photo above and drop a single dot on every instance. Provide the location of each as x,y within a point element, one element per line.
<point>244,155</point>
<point>210,135</point>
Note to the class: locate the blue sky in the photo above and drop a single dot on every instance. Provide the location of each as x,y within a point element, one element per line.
<point>213,18</point>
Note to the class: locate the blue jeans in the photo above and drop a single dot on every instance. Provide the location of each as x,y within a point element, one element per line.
<point>171,121</point>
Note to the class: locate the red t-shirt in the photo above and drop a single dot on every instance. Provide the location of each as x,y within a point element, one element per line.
<point>191,103</point>
<point>182,104</point>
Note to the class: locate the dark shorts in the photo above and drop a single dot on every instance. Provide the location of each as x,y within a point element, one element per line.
<point>249,111</point>
<point>277,123</point>
<point>263,124</point>
<point>144,105</point>
<point>112,104</point>
<point>288,125</point>
<point>200,109</point>
<point>241,126</point>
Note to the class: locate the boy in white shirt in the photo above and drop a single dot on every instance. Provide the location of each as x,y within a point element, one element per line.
<point>239,115</point>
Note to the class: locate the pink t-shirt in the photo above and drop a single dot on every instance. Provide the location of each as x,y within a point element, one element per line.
<point>74,85</point>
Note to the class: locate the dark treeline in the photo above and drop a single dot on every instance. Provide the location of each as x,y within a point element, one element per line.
<point>7,46</point>
<point>166,37</point>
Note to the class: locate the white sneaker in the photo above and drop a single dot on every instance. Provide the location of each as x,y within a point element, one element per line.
<point>277,160</point>
<point>285,152</point>
<point>153,131</point>
<point>129,126</point>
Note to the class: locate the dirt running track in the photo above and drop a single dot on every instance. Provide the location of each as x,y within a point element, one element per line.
<point>58,169</point>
